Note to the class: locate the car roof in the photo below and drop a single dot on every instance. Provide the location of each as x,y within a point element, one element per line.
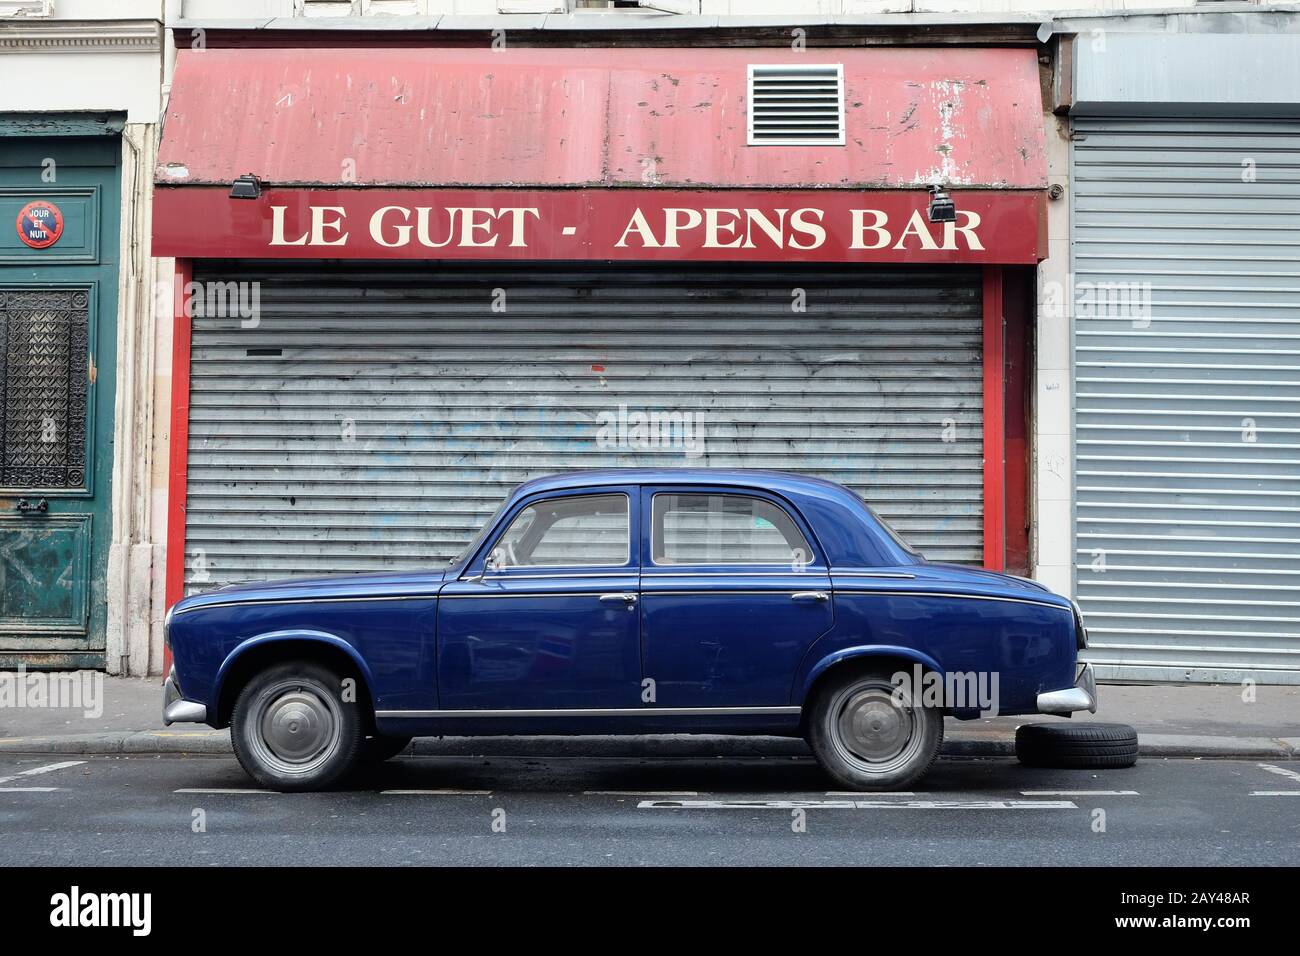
<point>770,480</point>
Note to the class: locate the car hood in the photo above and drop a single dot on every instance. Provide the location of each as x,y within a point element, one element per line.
<point>382,584</point>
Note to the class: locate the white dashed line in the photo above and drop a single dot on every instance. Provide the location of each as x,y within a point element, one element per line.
<point>28,789</point>
<point>48,768</point>
<point>1281,771</point>
<point>640,793</point>
<point>1275,793</point>
<point>856,805</point>
<point>1079,793</point>
<point>220,790</point>
<point>436,793</point>
<point>855,794</point>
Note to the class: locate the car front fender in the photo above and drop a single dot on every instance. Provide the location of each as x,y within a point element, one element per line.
<point>295,635</point>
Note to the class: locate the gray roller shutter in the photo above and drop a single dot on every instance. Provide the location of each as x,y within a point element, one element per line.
<point>1188,429</point>
<point>377,413</point>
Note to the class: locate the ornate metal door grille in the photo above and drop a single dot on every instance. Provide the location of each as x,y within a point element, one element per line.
<point>44,360</point>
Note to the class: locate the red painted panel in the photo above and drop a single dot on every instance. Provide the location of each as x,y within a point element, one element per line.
<point>623,224</point>
<point>970,117</point>
<point>1018,287</point>
<point>179,442</point>
<point>994,432</point>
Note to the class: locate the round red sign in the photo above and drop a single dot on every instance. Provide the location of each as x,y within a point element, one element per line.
<point>40,224</point>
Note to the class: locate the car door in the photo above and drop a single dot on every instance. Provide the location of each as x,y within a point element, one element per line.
<point>733,592</point>
<point>544,618</point>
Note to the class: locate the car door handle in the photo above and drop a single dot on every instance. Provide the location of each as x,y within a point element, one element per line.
<point>623,597</point>
<point>810,596</point>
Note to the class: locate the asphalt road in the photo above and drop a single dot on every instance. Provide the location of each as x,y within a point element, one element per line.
<point>608,810</point>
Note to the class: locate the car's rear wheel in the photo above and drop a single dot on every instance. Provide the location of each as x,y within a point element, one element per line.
<point>869,734</point>
<point>292,730</point>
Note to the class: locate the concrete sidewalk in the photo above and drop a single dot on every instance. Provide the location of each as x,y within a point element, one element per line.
<point>1185,720</point>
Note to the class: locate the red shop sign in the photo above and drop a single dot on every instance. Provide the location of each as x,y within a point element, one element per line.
<point>888,226</point>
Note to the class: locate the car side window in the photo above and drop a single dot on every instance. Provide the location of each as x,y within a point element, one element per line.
<point>584,531</point>
<point>724,529</point>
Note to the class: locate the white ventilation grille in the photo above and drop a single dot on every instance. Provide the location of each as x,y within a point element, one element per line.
<point>796,105</point>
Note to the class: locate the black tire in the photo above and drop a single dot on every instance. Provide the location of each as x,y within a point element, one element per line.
<point>377,749</point>
<point>850,719</point>
<point>292,730</point>
<point>1086,745</point>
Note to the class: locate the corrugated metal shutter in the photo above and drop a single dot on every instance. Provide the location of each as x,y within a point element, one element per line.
<point>377,413</point>
<point>1188,428</point>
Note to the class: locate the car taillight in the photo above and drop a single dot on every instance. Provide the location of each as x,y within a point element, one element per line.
<point>1080,630</point>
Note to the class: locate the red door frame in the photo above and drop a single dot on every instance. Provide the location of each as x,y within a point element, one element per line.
<point>178,459</point>
<point>995,502</point>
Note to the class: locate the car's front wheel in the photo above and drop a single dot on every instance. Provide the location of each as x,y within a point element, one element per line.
<point>292,729</point>
<point>871,735</point>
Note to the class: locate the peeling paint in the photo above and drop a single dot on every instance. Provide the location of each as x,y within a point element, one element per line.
<point>548,118</point>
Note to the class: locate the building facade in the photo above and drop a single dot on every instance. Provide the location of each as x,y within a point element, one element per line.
<point>80,540</point>
<point>701,233</point>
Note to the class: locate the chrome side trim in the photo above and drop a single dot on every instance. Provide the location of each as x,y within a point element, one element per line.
<point>618,571</point>
<point>948,594</point>
<point>648,592</point>
<point>521,594</point>
<point>319,600</point>
<point>654,572</point>
<point>600,712</point>
<point>873,574</point>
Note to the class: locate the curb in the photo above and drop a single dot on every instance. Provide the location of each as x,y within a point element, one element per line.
<point>663,747</point>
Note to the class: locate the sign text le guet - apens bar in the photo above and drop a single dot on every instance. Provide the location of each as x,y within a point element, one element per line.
<point>626,224</point>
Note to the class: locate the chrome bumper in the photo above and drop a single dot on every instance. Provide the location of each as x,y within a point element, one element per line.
<point>178,710</point>
<point>1082,696</point>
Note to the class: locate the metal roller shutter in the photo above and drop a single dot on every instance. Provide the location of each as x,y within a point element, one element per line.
<point>377,413</point>
<point>1188,429</point>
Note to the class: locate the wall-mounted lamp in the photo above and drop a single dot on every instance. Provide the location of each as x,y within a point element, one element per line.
<point>246,186</point>
<point>942,208</point>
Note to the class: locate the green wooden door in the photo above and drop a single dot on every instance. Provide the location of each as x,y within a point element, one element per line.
<point>58,310</point>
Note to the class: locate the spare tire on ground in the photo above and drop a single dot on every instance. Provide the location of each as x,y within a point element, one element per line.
<point>1085,745</point>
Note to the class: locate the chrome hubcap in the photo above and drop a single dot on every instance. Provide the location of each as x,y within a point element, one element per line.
<point>873,726</point>
<point>871,729</point>
<point>298,728</point>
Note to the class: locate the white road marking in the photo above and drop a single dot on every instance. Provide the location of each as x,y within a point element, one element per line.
<point>1275,793</point>
<point>1079,793</point>
<point>640,793</point>
<point>1282,771</point>
<point>48,768</point>
<point>28,789</point>
<point>220,790</point>
<point>858,793</point>
<point>856,805</point>
<point>437,793</point>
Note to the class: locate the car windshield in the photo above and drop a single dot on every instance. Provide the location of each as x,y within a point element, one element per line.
<point>898,538</point>
<point>482,532</point>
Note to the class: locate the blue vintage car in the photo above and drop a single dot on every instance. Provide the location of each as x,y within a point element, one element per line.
<point>633,602</point>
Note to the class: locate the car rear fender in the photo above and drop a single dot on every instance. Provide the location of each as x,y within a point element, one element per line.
<point>864,652</point>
